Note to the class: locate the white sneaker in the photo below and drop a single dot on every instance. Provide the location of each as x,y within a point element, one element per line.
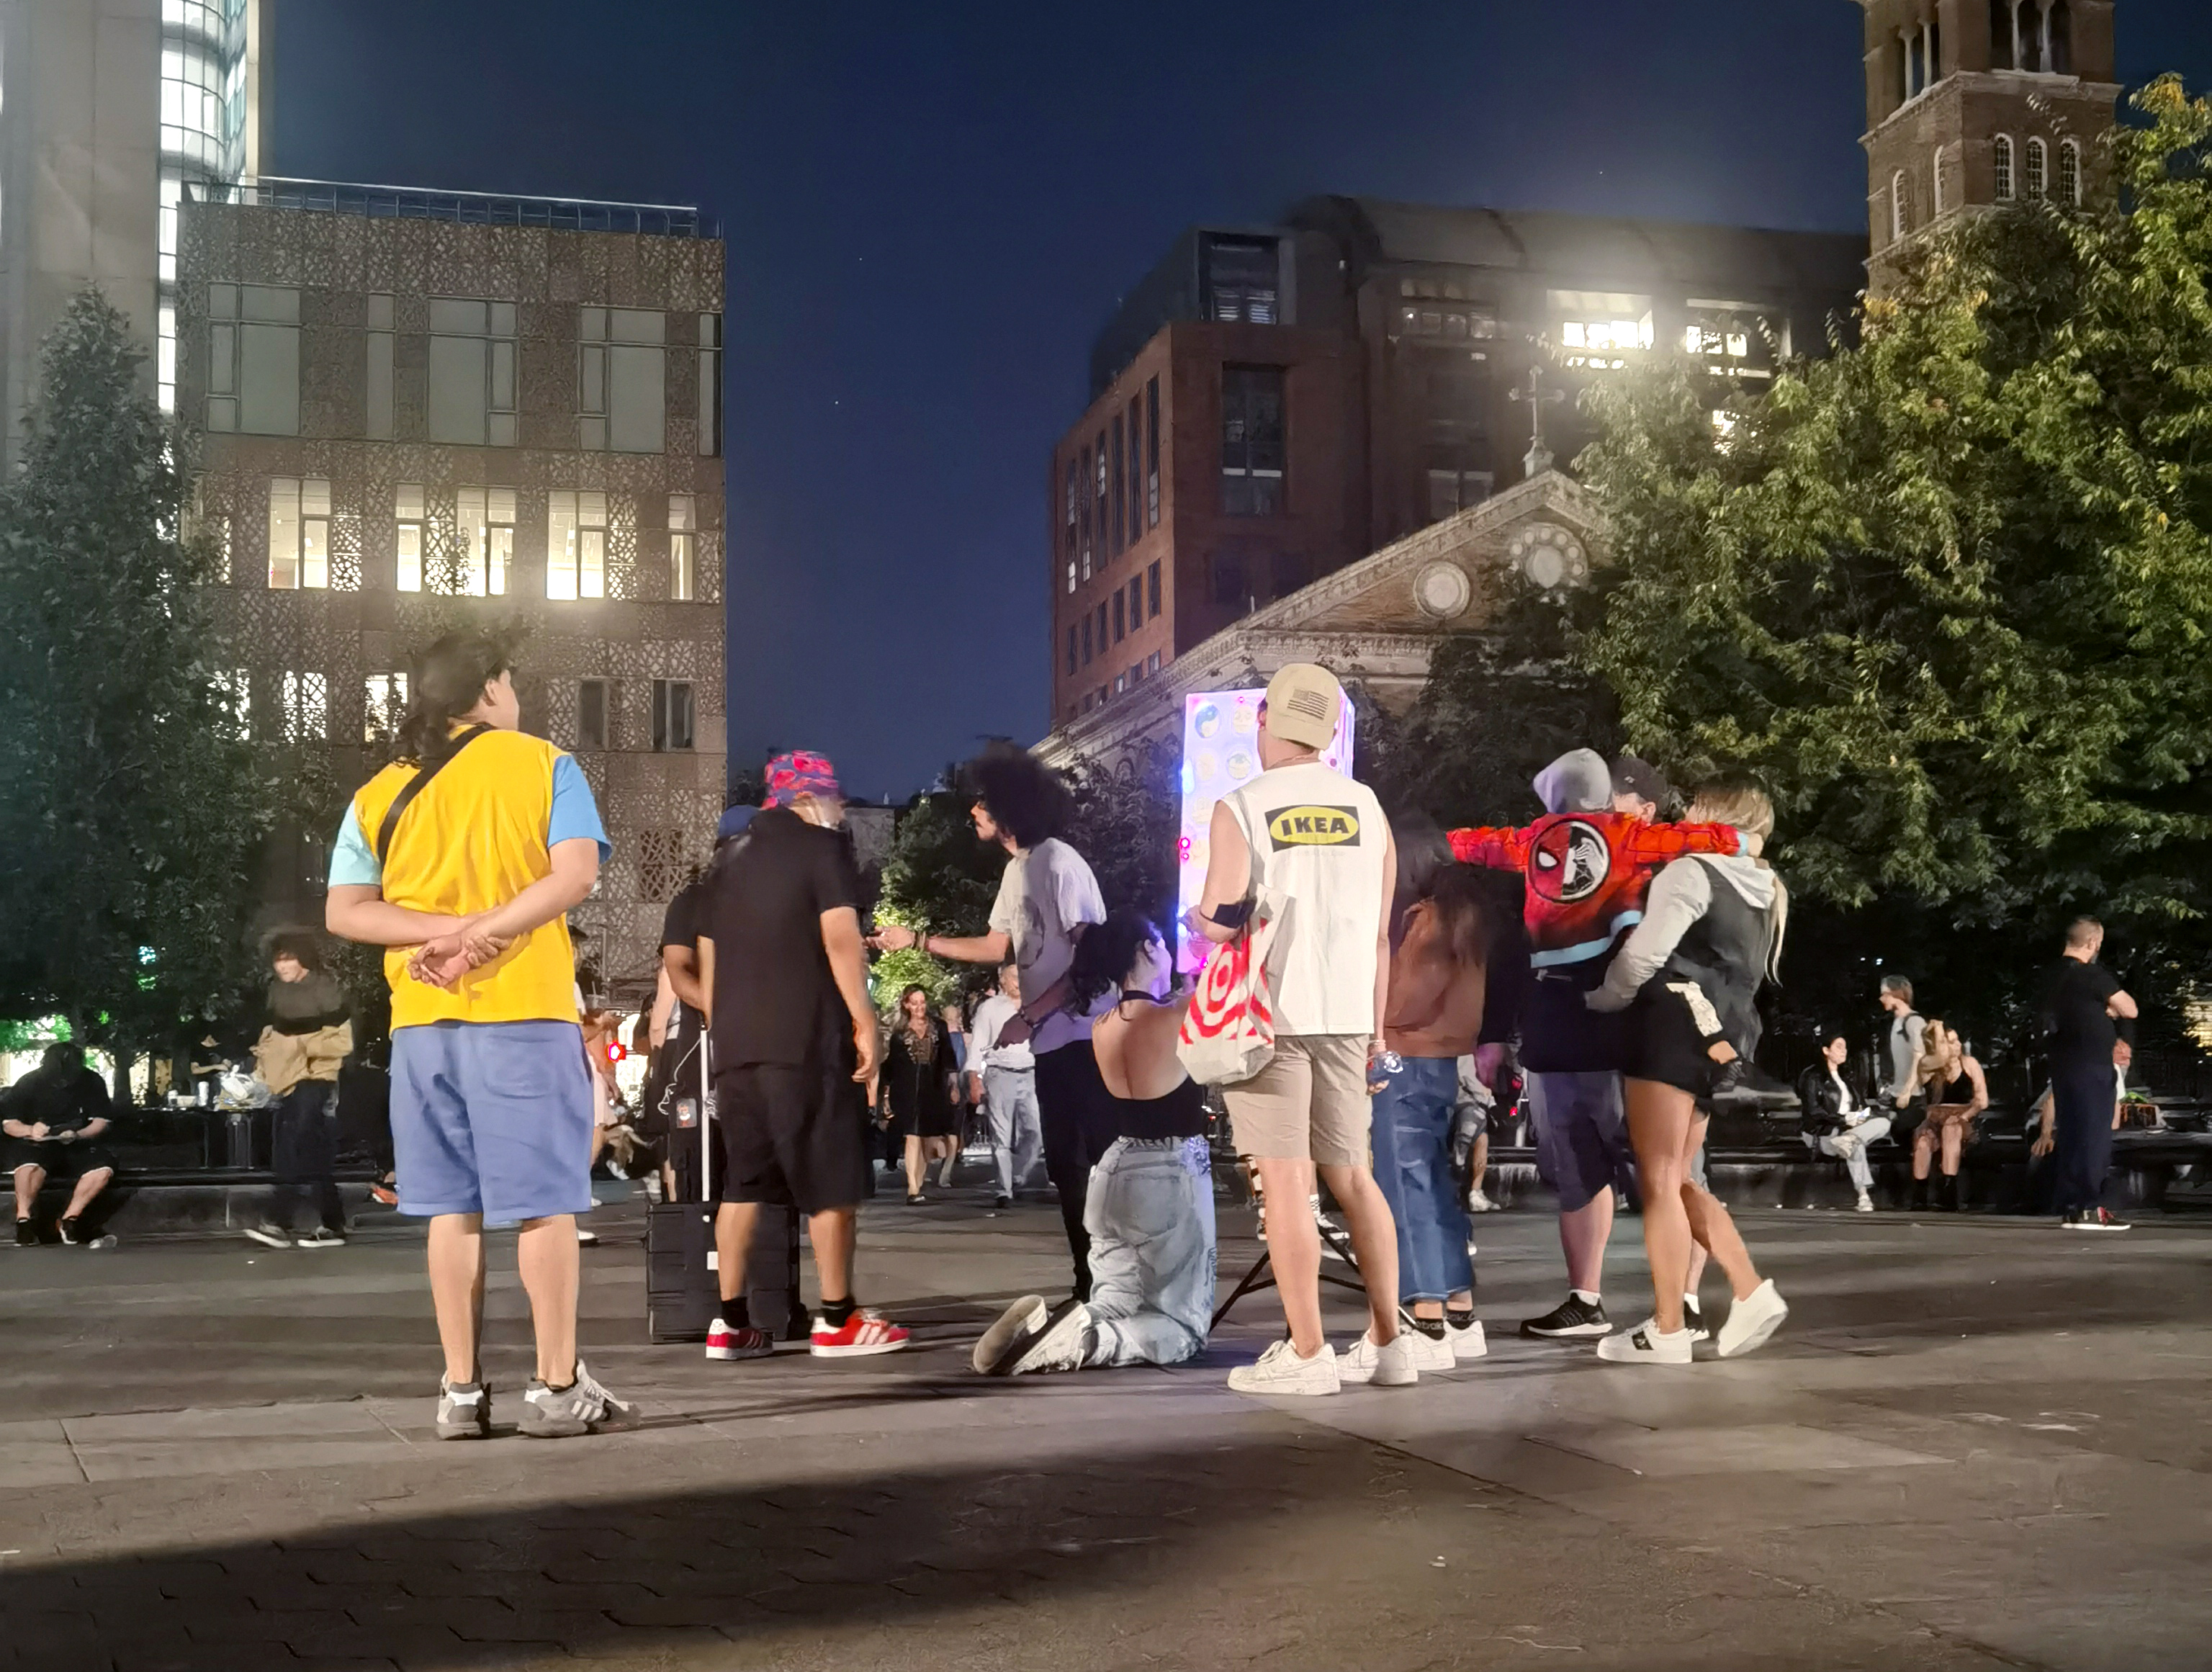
<point>1645,1344</point>
<point>1866,1203</point>
<point>1393,1365</point>
<point>1752,1320</point>
<point>1280,1371</point>
<point>1468,1343</point>
<point>1479,1203</point>
<point>1430,1352</point>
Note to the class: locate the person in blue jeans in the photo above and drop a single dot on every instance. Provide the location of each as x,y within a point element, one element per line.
<point>1437,971</point>
<point>1148,1208</point>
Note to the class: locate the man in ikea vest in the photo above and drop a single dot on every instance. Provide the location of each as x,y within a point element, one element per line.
<point>1319,839</point>
<point>463,859</point>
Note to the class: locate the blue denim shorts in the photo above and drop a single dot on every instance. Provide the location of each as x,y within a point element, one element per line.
<point>492,1118</point>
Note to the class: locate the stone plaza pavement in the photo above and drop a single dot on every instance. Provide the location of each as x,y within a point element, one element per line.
<point>1978,1443</point>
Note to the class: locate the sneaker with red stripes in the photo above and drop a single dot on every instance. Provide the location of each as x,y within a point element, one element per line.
<point>863,1333</point>
<point>724,1342</point>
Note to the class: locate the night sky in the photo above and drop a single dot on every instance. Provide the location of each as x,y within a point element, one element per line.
<point>931,210</point>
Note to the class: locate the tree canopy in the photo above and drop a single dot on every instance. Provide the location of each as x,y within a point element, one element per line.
<point>132,808</point>
<point>1948,593</point>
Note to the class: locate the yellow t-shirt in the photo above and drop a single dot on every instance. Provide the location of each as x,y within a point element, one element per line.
<point>481,832</point>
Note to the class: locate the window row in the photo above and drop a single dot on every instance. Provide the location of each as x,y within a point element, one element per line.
<point>1128,609</point>
<point>471,375</point>
<point>2035,36</point>
<point>295,706</point>
<point>2025,172</point>
<point>1135,674</point>
<point>471,556</point>
<point>1111,489</point>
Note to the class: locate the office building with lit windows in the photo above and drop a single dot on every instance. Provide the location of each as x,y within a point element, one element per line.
<point>413,408</point>
<point>108,110</point>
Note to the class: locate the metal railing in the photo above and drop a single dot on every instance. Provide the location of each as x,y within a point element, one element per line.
<point>480,208</point>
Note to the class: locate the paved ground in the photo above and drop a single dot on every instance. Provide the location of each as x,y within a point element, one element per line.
<point>1979,1444</point>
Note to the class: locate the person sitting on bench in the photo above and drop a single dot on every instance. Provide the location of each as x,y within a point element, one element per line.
<point>54,1117</point>
<point>1149,1206</point>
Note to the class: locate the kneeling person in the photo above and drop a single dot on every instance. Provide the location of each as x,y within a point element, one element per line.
<point>1149,1206</point>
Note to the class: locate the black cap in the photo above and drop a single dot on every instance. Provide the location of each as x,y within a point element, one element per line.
<point>1635,776</point>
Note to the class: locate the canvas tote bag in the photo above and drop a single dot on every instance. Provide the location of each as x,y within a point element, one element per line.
<point>1229,1031</point>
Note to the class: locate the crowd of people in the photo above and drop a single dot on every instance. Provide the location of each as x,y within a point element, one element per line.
<point>1397,1018</point>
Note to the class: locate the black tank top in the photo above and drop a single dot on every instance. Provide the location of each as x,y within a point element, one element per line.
<point>1960,1089</point>
<point>1181,1113</point>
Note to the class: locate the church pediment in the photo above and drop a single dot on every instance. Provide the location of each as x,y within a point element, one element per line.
<point>1452,576</point>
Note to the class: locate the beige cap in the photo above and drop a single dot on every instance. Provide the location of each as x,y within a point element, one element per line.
<point>1302,700</point>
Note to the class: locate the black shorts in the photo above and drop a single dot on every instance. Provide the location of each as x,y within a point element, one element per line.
<point>791,1136</point>
<point>61,1161</point>
<point>1665,1044</point>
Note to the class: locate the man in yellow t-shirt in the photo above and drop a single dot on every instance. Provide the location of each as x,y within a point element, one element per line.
<point>469,884</point>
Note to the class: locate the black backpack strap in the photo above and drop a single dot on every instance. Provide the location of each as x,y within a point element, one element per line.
<point>414,787</point>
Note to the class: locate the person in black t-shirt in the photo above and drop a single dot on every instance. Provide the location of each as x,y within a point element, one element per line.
<point>793,1036</point>
<point>675,1088</point>
<point>54,1117</point>
<point>2084,1010</point>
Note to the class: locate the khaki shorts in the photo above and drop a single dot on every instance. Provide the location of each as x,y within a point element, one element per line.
<point>1310,1102</point>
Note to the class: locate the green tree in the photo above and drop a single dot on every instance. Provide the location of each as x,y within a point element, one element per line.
<point>1948,593</point>
<point>940,879</point>
<point>132,808</point>
<point>1127,822</point>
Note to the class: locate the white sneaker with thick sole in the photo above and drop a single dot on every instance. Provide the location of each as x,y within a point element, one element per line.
<point>1465,1344</point>
<point>1062,1344</point>
<point>1645,1344</point>
<point>1752,1320</point>
<point>1393,1365</point>
<point>1430,1352</point>
<point>1865,1203</point>
<point>1280,1371</point>
<point>1025,1317</point>
<point>1479,1203</point>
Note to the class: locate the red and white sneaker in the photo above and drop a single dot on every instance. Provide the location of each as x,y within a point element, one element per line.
<point>858,1336</point>
<point>724,1342</point>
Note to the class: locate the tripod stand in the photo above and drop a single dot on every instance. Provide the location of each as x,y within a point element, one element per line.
<point>1262,1274</point>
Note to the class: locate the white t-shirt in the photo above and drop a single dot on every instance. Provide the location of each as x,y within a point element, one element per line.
<point>984,1050</point>
<point>1320,839</point>
<point>1043,895</point>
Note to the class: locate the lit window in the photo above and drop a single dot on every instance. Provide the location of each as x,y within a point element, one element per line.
<point>299,533</point>
<point>2038,170</point>
<point>307,706</point>
<point>1724,426</point>
<point>683,548</point>
<point>407,514</point>
<point>2001,162</point>
<point>1152,663</point>
<point>486,516</point>
<point>1242,280</point>
<point>576,545</point>
<point>2070,174</point>
<point>1602,329</point>
<point>384,705</point>
<point>1897,198</point>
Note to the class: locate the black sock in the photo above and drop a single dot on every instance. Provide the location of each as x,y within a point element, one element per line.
<point>837,1313</point>
<point>1433,1327</point>
<point>1459,1318</point>
<point>735,1315</point>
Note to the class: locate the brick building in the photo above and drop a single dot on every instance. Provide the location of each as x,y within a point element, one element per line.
<point>415,407</point>
<point>1270,405</point>
<point>1975,103</point>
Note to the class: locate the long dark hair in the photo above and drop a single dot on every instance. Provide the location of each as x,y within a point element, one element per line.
<point>1025,797</point>
<point>445,682</point>
<point>1457,896</point>
<point>1105,955</point>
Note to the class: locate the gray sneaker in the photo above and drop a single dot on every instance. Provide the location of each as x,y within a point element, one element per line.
<point>463,1410</point>
<point>560,1413</point>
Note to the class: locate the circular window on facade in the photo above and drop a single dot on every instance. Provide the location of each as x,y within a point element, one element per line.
<point>1549,556</point>
<point>1442,590</point>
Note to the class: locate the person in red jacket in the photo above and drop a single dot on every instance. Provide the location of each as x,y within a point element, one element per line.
<point>1587,868</point>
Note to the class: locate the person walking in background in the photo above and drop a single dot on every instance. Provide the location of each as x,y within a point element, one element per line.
<point>920,1077</point>
<point>1436,996</point>
<point>1002,1082</point>
<point>1904,1045</point>
<point>1048,898</point>
<point>2083,1010</point>
<point>956,1031</point>
<point>470,850</point>
<point>1834,1120</point>
<point>794,1037</point>
<point>308,1037</point>
<point>1711,933</point>
<point>1150,1208</point>
<point>1957,1093</point>
<point>1318,840</point>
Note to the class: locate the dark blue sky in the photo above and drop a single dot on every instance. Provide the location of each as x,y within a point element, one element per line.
<point>930,210</point>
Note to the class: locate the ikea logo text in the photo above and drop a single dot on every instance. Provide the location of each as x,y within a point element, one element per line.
<point>1314,826</point>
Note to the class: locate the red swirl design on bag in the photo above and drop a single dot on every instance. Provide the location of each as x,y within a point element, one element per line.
<point>1220,1002</point>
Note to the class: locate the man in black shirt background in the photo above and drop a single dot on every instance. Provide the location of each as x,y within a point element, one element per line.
<point>673,1093</point>
<point>54,1117</point>
<point>793,1036</point>
<point>2083,1010</point>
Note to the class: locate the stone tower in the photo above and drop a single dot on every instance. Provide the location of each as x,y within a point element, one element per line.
<point>1973,103</point>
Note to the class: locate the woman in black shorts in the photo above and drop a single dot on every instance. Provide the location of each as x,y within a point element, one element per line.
<point>1711,934</point>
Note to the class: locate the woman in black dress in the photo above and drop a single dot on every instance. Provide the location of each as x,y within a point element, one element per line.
<point>919,1074</point>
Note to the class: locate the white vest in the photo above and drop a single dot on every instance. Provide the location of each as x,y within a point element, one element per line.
<point>1319,839</point>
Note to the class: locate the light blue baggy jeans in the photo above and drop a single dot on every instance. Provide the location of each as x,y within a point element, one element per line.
<point>1010,1106</point>
<point>1150,1213</point>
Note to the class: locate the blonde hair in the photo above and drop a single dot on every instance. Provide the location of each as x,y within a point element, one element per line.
<point>1736,802</point>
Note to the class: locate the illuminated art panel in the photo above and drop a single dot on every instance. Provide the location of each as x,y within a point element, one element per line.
<point>1220,753</point>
